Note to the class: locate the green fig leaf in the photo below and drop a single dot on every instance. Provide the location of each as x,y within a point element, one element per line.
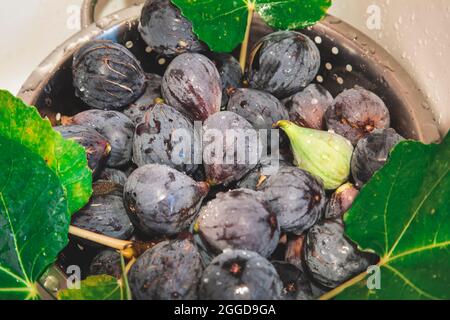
<point>403,215</point>
<point>22,123</point>
<point>222,24</point>
<point>101,287</point>
<point>44,178</point>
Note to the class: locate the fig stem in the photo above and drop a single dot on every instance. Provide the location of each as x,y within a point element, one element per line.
<point>125,247</point>
<point>244,47</point>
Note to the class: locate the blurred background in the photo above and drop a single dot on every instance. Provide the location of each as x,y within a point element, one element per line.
<point>415,32</point>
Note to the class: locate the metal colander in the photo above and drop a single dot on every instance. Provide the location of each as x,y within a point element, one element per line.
<point>349,58</point>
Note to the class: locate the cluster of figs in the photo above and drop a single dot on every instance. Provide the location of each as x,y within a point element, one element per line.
<point>239,230</point>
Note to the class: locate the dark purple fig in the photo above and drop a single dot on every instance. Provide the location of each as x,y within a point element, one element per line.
<point>106,262</point>
<point>166,31</point>
<point>161,200</point>
<point>296,197</point>
<point>114,126</point>
<point>230,72</point>
<point>371,153</point>
<point>297,284</point>
<point>240,275</point>
<point>231,147</point>
<point>105,215</point>
<point>169,271</point>
<point>307,108</point>
<point>355,113</point>
<point>330,258</point>
<point>107,76</point>
<point>97,146</point>
<point>166,137</point>
<point>238,219</point>
<point>269,165</point>
<point>283,63</point>
<point>259,108</point>
<point>192,84</point>
<point>113,175</point>
<point>137,109</point>
<point>341,201</point>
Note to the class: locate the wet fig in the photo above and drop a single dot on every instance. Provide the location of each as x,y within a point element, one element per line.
<point>307,108</point>
<point>331,258</point>
<point>165,136</point>
<point>169,271</point>
<point>105,215</point>
<point>192,84</point>
<point>166,31</point>
<point>107,75</point>
<point>230,72</point>
<point>136,110</point>
<point>371,153</point>
<point>225,223</point>
<point>296,197</point>
<point>97,146</point>
<point>161,200</point>
<point>357,112</point>
<point>283,63</point>
<point>323,154</point>
<point>231,148</point>
<point>114,126</point>
<point>259,108</point>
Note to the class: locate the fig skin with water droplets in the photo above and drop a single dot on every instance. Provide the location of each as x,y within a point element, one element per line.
<point>137,109</point>
<point>218,165</point>
<point>230,72</point>
<point>267,166</point>
<point>166,30</point>
<point>171,270</point>
<point>114,126</point>
<point>307,107</point>
<point>355,113</point>
<point>192,85</point>
<point>97,146</point>
<point>325,155</point>
<point>107,76</point>
<point>162,201</point>
<point>297,284</point>
<point>238,219</point>
<point>259,108</point>
<point>155,141</point>
<point>331,258</point>
<point>371,153</point>
<point>105,215</point>
<point>240,275</point>
<point>296,197</point>
<point>283,63</point>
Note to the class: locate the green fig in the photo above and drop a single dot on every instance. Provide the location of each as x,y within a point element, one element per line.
<point>324,154</point>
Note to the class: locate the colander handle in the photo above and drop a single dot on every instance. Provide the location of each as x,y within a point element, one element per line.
<point>88,13</point>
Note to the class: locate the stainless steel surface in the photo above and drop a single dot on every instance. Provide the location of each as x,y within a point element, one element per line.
<point>88,13</point>
<point>349,58</point>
